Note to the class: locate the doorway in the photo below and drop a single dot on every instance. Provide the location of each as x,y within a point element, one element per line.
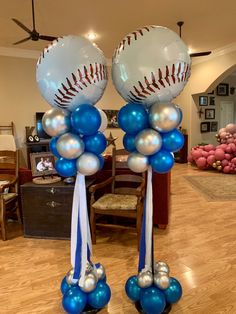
<point>227,113</point>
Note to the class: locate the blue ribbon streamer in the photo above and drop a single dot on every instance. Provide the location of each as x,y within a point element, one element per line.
<point>142,250</point>
<point>78,256</point>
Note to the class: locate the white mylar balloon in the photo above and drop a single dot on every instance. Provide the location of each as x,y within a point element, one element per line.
<point>71,71</point>
<point>104,121</point>
<point>150,64</point>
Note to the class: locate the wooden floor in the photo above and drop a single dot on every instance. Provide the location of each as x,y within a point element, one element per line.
<point>199,246</point>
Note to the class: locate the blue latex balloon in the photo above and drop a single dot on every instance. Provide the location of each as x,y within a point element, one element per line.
<point>100,296</point>
<point>172,141</point>
<point>66,167</point>
<point>152,300</point>
<point>86,119</point>
<point>64,286</point>
<point>102,161</point>
<point>129,142</point>
<point>53,146</point>
<point>133,118</point>
<point>174,292</point>
<point>95,143</point>
<point>74,300</point>
<point>132,289</point>
<point>162,161</point>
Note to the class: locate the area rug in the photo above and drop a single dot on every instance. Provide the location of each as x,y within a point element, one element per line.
<point>219,187</point>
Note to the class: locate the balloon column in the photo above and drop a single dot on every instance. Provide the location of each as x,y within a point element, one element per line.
<point>221,157</point>
<point>150,67</point>
<point>71,75</point>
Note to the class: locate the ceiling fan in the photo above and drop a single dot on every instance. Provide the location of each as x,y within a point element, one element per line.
<point>33,34</point>
<point>195,54</point>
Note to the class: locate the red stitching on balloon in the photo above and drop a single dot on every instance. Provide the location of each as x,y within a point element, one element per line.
<point>141,92</point>
<point>132,36</point>
<point>47,49</point>
<point>74,85</point>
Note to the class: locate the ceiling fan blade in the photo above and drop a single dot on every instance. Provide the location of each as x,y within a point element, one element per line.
<point>45,37</point>
<point>22,26</point>
<point>200,54</point>
<point>33,15</point>
<point>22,40</point>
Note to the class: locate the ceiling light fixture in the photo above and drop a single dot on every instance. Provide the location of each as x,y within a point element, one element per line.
<point>91,36</point>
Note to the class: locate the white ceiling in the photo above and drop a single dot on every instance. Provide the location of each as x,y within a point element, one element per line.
<point>209,24</point>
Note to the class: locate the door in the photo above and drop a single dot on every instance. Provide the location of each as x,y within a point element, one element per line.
<point>226,113</point>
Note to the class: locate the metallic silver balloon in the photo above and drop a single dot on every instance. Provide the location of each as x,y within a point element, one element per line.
<point>56,121</point>
<point>70,146</point>
<point>164,117</point>
<point>137,162</point>
<point>145,279</point>
<point>88,164</point>
<point>148,142</point>
<point>69,277</point>
<point>161,267</point>
<point>101,273</point>
<point>161,280</point>
<point>90,282</point>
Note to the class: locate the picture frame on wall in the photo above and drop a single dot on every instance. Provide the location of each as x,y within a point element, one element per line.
<point>205,127</point>
<point>214,126</point>
<point>112,118</point>
<point>42,164</point>
<point>209,114</point>
<point>212,101</point>
<point>203,100</point>
<point>222,89</point>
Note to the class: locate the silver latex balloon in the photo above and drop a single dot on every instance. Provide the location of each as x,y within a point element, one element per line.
<point>101,273</point>
<point>161,267</point>
<point>161,280</point>
<point>69,277</point>
<point>148,142</point>
<point>88,164</point>
<point>164,117</point>
<point>137,162</point>
<point>90,282</point>
<point>145,279</point>
<point>56,121</point>
<point>70,146</point>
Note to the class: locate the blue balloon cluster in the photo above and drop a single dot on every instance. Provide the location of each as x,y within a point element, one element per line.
<point>76,301</point>
<point>83,127</point>
<point>152,299</point>
<point>152,133</point>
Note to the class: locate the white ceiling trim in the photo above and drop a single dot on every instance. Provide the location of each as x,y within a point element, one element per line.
<point>34,54</point>
<point>216,53</point>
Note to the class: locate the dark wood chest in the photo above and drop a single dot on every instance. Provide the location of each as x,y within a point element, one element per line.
<point>47,209</point>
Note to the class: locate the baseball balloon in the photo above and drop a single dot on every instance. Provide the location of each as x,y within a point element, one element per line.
<point>164,117</point>
<point>56,121</point>
<point>71,71</point>
<point>150,65</point>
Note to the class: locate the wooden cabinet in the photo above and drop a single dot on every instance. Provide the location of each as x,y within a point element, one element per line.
<point>47,209</point>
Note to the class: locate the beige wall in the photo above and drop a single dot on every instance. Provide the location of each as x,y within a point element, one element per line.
<point>20,98</point>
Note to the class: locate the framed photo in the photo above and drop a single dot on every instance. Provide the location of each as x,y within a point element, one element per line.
<point>214,126</point>
<point>112,118</point>
<point>212,101</point>
<point>42,164</point>
<point>203,100</point>
<point>222,89</point>
<point>209,114</point>
<point>205,127</point>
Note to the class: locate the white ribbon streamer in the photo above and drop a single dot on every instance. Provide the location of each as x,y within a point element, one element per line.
<point>149,220</point>
<point>74,221</point>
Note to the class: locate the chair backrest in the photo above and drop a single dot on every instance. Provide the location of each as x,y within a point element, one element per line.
<point>7,129</point>
<point>125,181</point>
<point>8,155</point>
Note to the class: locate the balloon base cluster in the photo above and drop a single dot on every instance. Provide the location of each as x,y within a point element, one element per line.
<point>90,298</point>
<point>221,157</point>
<point>153,291</point>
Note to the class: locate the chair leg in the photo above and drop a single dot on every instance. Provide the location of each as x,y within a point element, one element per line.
<point>3,219</point>
<point>93,225</point>
<point>18,213</point>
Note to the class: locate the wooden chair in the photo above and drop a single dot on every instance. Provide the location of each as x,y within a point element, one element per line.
<point>8,181</point>
<point>124,200</point>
